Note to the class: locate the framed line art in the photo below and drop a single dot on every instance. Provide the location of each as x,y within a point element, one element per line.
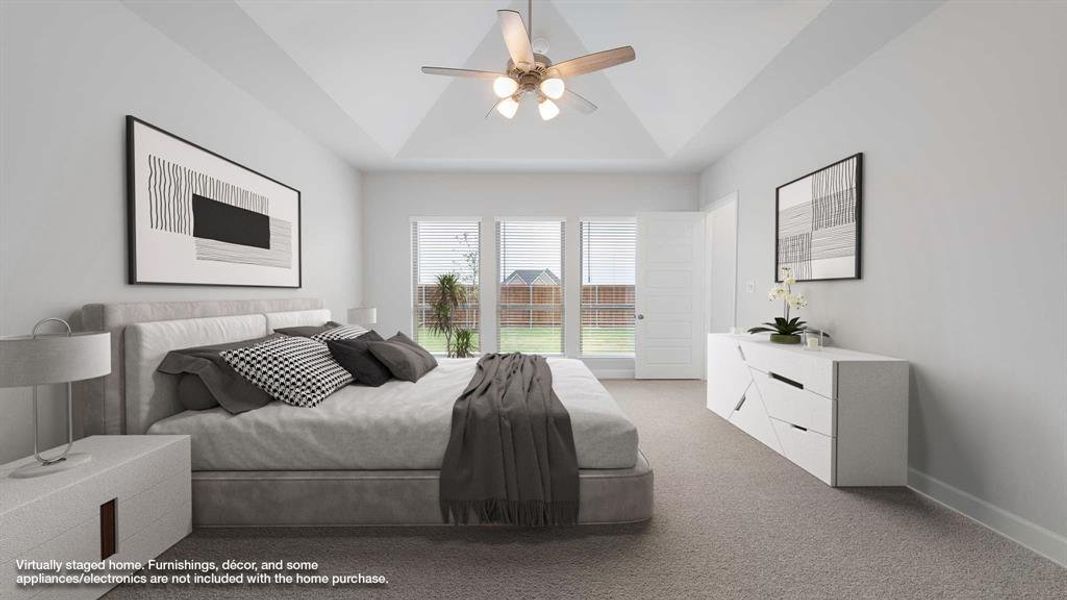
<point>195,217</point>
<point>818,223</point>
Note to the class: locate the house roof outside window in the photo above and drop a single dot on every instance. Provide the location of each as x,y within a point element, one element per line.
<point>532,277</point>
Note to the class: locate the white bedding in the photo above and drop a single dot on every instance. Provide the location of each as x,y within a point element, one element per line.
<point>399,425</point>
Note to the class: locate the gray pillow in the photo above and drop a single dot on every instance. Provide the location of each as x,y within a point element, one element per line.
<point>404,358</point>
<point>233,392</point>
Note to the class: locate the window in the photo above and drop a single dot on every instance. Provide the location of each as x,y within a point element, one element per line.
<point>530,299</point>
<point>438,248</point>
<point>609,250</point>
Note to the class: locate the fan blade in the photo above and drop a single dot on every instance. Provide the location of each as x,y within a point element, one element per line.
<point>572,99</point>
<point>516,38</point>
<point>449,72</point>
<point>593,62</point>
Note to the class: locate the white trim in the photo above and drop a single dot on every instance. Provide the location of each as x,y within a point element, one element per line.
<point>442,219</point>
<point>608,219</point>
<point>1028,534</point>
<point>612,373</point>
<point>530,218</point>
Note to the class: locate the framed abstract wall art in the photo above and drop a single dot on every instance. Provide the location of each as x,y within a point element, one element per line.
<point>817,223</point>
<point>197,218</point>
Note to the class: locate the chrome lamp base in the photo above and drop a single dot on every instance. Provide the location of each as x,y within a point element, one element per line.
<point>37,469</point>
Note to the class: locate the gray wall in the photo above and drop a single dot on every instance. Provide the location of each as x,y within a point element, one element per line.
<point>70,73</point>
<point>962,124</point>
<point>391,199</point>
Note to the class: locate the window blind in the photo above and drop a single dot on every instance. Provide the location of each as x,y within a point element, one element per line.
<point>440,247</point>
<point>530,279</point>
<point>609,260</point>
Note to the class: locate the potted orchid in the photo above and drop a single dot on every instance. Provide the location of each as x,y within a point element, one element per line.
<point>785,330</point>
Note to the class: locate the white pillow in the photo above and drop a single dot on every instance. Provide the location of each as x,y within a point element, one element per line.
<point>295,370</point>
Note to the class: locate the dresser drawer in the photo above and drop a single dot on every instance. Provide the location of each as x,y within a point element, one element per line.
<point>810,450</point>
<point>751,417</point>
<point>809,369</point>
<point>795,405</point>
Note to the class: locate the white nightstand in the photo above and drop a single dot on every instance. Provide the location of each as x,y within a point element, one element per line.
<point>132,500</point>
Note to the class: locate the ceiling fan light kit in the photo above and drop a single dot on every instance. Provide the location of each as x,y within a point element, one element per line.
<point>507,107</point>
<point>504,86</point>
<point>548,109</point>
<point>553,87</point>
<point>530,72</point>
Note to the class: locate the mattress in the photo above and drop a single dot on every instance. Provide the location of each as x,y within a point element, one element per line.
<point>399,425</point>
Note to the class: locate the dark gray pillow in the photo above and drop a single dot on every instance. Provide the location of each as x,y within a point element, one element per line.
<point>193,394</point>
<point>404,358</point>
<point>355,356</point>
<point>231,391</point>
<point>308,330</point>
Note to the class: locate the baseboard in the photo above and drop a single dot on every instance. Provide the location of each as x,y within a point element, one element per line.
<point>1045,542</point>
<point>613,373</point>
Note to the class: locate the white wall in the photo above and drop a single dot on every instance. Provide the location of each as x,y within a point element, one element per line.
<point>70,73</point>
<point>962,124</point>
<point>391,199</point>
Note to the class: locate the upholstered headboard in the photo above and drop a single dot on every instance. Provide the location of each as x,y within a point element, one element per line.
<point>101,403</point>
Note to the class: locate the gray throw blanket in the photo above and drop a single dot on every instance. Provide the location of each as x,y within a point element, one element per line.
<point>510,458</point>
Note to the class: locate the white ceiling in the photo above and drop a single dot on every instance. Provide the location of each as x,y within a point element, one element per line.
<point>348,73</point>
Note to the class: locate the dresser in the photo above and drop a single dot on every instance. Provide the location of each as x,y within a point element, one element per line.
<point>840,415</point>
<point>129,502</point>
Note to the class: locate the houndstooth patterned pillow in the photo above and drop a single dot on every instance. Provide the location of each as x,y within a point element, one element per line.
<point>344,332</point>
<point>295,370</point>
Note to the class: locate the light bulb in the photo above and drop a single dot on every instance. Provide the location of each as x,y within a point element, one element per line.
<point>504,86</point>
<point>553,87</point>
<point>548,109</point>
<point>507,107</point>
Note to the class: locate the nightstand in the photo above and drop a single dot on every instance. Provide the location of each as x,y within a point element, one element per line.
<point>130,502</point>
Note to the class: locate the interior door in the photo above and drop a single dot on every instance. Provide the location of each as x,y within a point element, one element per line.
<point>670,295</point>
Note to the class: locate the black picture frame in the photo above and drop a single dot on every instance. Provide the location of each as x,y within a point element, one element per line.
<point>858,175</point>
<point>132,123</point>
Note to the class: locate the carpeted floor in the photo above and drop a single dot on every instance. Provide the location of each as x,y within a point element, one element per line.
<point>733,520</point>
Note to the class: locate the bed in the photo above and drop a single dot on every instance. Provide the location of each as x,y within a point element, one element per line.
<point>366,456</point>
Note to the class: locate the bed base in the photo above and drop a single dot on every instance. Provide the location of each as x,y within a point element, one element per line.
<point>375,498</point>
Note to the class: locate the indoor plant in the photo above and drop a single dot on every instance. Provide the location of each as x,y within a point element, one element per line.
<point>447,296</point>
<point>463,346</point>
<point>785,330</point>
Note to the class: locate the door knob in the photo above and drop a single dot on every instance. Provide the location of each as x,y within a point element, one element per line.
<point>640,317</point>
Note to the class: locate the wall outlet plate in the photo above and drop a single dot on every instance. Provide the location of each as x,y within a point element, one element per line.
<point>750,286</point>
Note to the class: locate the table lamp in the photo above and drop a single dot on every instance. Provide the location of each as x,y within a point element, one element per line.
<point>363,315</point>
<point>42,359</point>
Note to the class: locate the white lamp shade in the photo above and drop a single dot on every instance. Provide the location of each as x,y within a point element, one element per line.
<point>27,361</point>
<point>548,109</point>
<point>363,315</point>
<point>507,107</point>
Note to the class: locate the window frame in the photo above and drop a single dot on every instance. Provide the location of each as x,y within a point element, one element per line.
<point>498,275</point>
<point>413,221</point>
<point>581,282</point>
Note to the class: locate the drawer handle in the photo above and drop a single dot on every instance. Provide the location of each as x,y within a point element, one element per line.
<point>787,380</point>
<point>798,427</point>
<point>741,403</point>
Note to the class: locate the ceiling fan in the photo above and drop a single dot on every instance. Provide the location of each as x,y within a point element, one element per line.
<point>530,72</point>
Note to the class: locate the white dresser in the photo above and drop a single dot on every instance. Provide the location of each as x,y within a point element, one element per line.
<point>130,502</point>
<point>840,415</point>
